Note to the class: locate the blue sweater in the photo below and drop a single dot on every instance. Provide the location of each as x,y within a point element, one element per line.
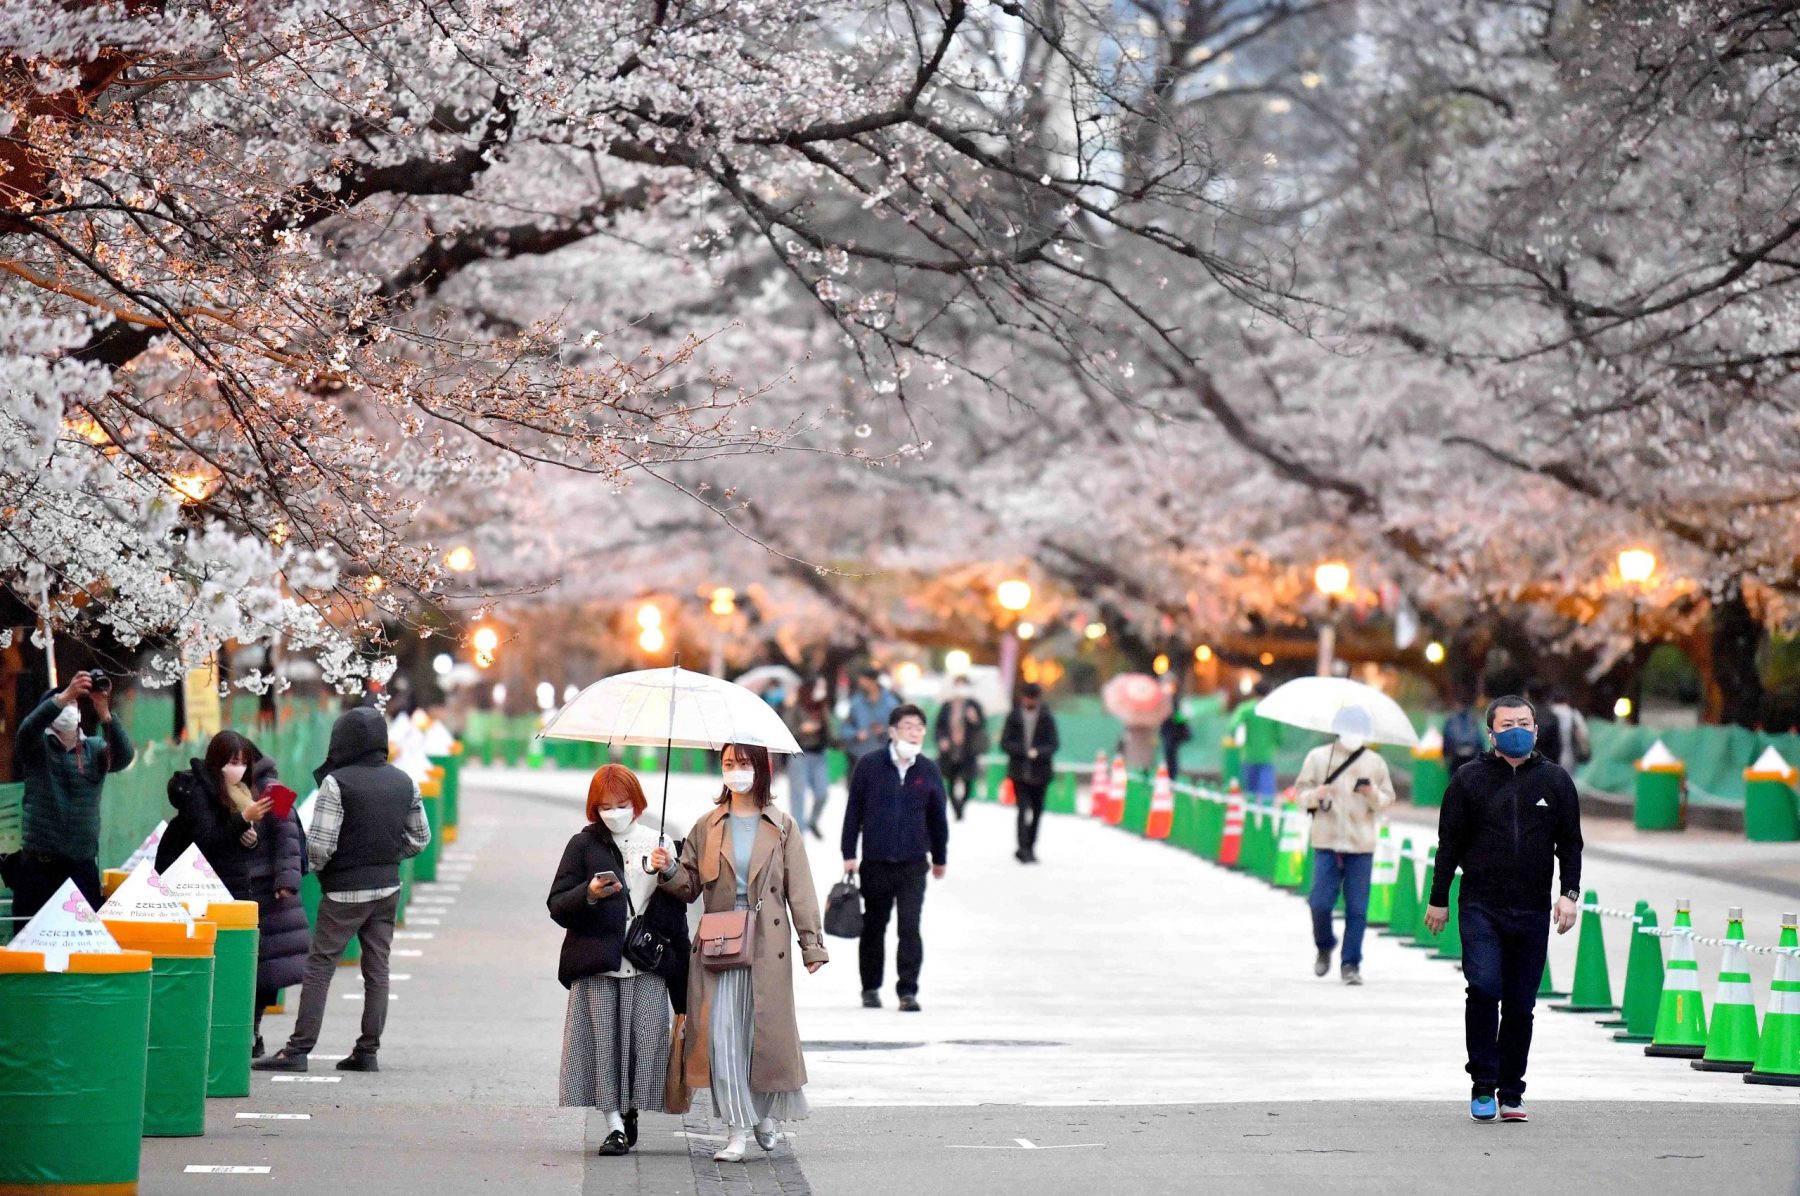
<point>898,823</point>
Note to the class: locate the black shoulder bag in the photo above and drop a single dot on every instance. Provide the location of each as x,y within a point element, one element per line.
<point>1337,772</point>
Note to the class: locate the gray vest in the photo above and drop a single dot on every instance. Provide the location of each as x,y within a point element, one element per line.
<point>373,839</point>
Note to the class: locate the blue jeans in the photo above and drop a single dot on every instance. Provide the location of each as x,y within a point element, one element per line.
<point>1350,872</point>
<point>808,771</point>
<point>1503,961</point>
<point>1259,782</point>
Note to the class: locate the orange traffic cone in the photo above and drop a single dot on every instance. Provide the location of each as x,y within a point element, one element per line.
<point>1097,787</point>
<point>1162,806</point>
<point>1231,841</point>
<point>1007,796</point>
<point>1115,793</point>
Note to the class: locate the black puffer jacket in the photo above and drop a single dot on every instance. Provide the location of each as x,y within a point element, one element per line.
<point>594,942</point>
<point>251,873</point>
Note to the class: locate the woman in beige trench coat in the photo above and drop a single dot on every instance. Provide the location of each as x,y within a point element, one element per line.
<point>742,1040</point>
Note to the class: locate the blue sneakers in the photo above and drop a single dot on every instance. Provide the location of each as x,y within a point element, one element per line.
<point>1484,1108</point>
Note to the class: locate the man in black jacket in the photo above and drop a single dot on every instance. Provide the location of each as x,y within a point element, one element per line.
<point>1508,817</point>
<point>897,808</point>
<point>1030,740</point>
<point>366,818</point>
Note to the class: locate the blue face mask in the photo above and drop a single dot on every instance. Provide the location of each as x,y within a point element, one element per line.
<point>1515,742</point>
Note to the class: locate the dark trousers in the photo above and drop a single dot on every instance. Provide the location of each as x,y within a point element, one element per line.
<point>1503,961</point>
<point>39,877</point>
<point>1350,872</point>
<point>372,923</point>
<point>885,884</point>
<point>960,778</point>
<point>1031,812</point>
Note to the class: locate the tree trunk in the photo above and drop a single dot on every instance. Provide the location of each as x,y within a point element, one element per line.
<point>1734,690</point>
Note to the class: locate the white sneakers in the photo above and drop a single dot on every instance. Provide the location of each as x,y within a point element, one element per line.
<point>734,1149</point>
<point>768,1135</point>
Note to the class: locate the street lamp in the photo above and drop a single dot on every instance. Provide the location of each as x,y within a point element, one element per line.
<point>957,662</point>
<point>1636,566</point>
<point>723,605</point>
<point>485,641</point>
<point>1333,580</point>
<point>460,559</point>
<point>1013,595</point>
<point>1434,653</point>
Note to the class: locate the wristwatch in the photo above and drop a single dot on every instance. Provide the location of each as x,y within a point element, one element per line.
<point>1573,895</point>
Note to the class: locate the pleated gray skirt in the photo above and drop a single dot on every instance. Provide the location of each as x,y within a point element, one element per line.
<point>732,1030</point>
<point>616,1044</point>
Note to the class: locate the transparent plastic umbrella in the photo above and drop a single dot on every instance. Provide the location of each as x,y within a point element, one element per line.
<point>670,708</point>
<point>1339,706</point>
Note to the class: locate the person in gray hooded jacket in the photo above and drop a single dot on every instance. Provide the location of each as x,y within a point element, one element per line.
<point>366,818</point>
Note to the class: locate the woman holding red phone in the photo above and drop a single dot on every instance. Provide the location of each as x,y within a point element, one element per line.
<point>226,803</point>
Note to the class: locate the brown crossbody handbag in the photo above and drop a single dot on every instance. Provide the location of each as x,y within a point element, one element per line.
<point>728,938</point>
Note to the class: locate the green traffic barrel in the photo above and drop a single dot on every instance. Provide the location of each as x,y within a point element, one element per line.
<point>1661,798</point>
<point>1771,813</point>
<point>180,1022</point>
<point>233,997</point>
<point>425,864</point>
<point>72,1056</point>
<point>310,894</point>
<point>452,787</point>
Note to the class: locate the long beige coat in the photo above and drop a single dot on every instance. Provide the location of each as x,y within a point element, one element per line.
<point>781,878</point>
<point>1350,824</point>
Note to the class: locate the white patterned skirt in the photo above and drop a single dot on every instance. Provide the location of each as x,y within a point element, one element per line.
<point>616,1044</point>
<point>732,1031</point>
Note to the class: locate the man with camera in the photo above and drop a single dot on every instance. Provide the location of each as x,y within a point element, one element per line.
<point>64,771</point>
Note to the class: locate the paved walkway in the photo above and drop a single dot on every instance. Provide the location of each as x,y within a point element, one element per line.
<point>1122,1018</point>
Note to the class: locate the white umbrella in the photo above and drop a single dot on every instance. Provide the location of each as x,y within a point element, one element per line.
<point>1339,706</point>
<point>760,677</point>
<point>670,708</point>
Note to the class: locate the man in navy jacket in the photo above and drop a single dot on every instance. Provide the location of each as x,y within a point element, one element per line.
<point>898,809</point>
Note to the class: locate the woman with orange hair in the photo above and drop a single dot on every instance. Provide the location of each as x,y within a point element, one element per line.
<point>615,1055</point>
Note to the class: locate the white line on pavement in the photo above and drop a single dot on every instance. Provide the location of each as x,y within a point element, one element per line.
<point>424,921</point>
<point>439,887</point>
<point>215,1169</point>
<point>359,996</point>
<point>412,934</point>
<point>274,1116</point>
<point>1026,1145</point>
<point>305,1079</point>
<point>406,953</point>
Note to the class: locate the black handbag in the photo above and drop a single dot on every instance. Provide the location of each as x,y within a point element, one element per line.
<point>646,948</point>
<point>844,910</point>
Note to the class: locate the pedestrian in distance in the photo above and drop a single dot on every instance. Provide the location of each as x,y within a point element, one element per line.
<point>808,716</point>
<point>899,812</point>
<point>1462,735</point>
<point>616,1033</point>
<point>744,1042</point>
<point>866,724</point>
<point>367,817</point>
<point>961,734</point>
<point>1174,732</point>
<point>64,770</point>
<point>1577,745</point>
<point>1345,786</point>
<point>1030,741</point>
<point>1509,818</point>
<point>223,806</point>
<point>1258,739</point>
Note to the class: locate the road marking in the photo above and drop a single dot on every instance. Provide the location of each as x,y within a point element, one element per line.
<point>1027,1144</point>
<point>424,921</point>
<point>215,1169</point>
<point>413,934</point>
<point>359,996</point>
<point>399,975</point>
<point>440,901</point>
<point>405,953</point>
<point>445,888</point>
<point>305,1079</point>
<point>274,1116</point>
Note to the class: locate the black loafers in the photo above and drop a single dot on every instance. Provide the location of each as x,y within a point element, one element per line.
<point>615,1144</point>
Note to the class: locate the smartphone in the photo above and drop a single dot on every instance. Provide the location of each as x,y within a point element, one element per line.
<point>282,798</point>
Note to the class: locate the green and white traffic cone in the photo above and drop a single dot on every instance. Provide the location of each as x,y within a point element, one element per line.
<point>1778,1057</point>
<point>1681,1015</point>
<point>1406,895</point>
<point>1592,990</point>
<point>1643,981</point>
<point>1547,987</point>
<point>1381,883</point>
<point>1291,848</point>
<point>1637,920</point>
<point>1421,935</point>
<point>1731,1043</point>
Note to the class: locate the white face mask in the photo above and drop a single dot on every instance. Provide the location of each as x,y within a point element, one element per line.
<point>67,726</point>
<point>740,780</point>
<point>1352,743</point>
<point>233,773</point>
<point>618,820</point>
<point>906,749</point>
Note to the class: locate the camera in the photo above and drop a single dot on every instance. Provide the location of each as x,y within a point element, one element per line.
<point>102,683</point>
